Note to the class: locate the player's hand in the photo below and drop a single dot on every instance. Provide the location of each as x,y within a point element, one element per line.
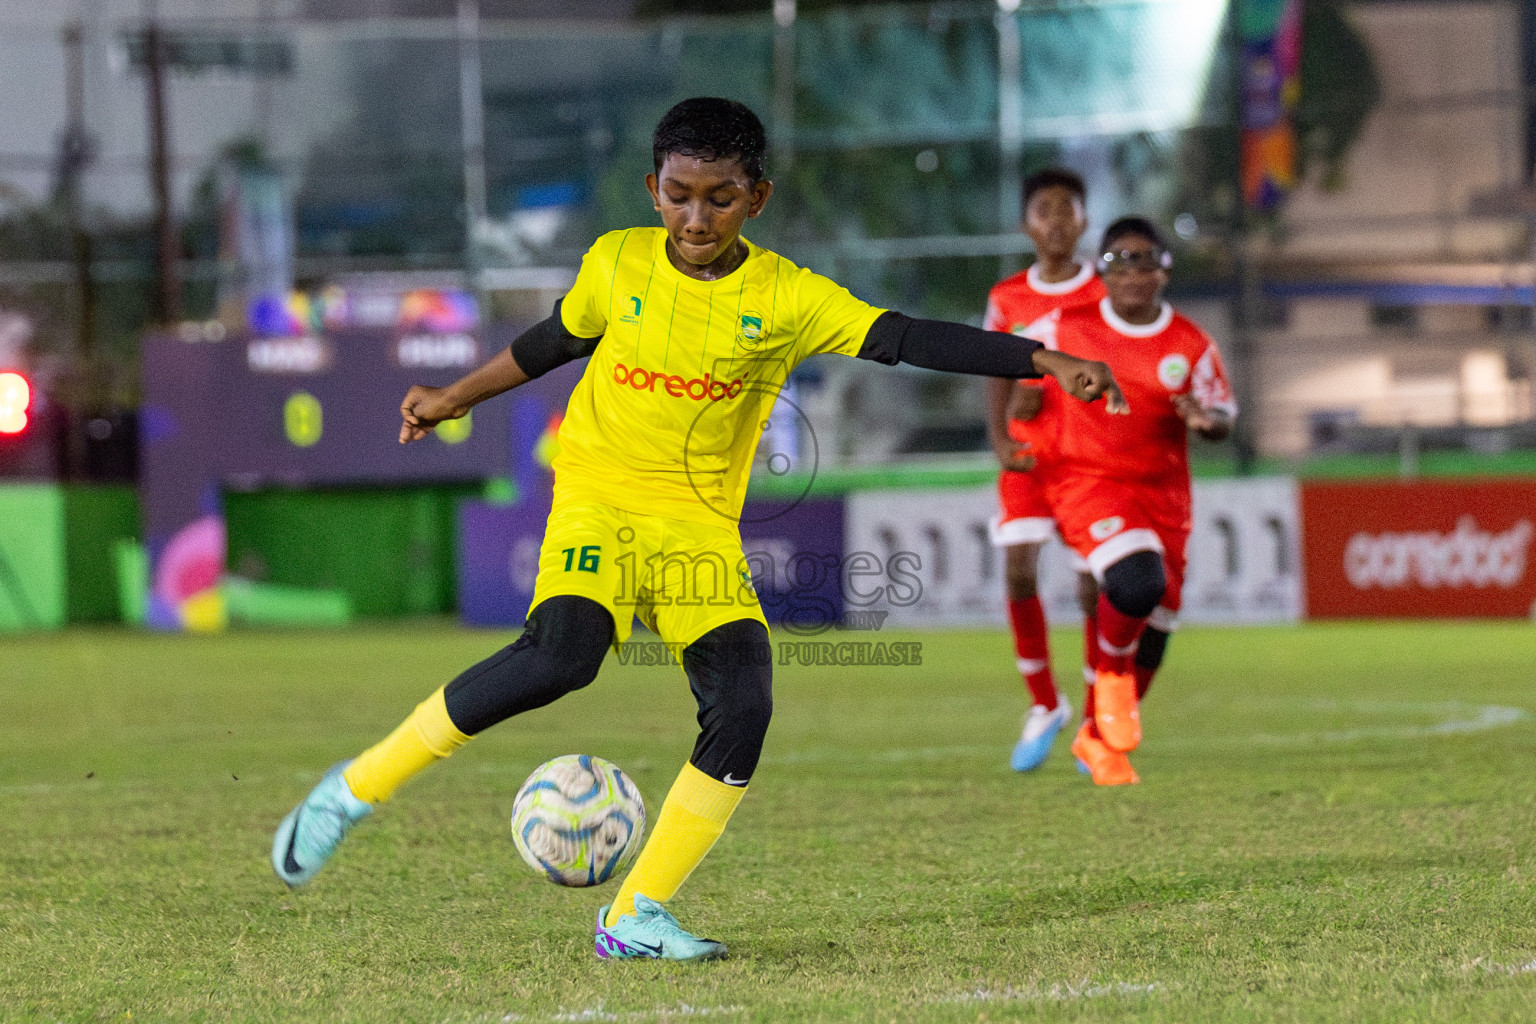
<point>1085,379</point>
<point>1195,416</point>
<point>1025,401</point>
<point>423,409</point>
<point>1209,423</point>
<point>1014,457</point>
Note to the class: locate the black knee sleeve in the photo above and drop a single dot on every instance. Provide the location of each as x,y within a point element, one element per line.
<point>1136,583</point>
<point>1151,648</point>
<point>560,651</point>
<point>730,670</point>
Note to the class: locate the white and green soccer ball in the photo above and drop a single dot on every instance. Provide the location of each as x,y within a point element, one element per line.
<point>578,820</point>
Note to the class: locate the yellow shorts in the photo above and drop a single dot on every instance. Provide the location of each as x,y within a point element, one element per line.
<point>682,579</point>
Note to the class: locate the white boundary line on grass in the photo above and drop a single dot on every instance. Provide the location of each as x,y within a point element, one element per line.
<point>1458,719</point>
<point>1061,991</point>
<point>1490,967</point>
<point>1461,719</point>
<point>599,1014</point>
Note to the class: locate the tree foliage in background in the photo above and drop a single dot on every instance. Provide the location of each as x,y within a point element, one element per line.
<point>662,8</point>
<point>1339,88</point>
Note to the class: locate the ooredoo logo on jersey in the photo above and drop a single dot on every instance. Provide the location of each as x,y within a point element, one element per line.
<point>698,388</point>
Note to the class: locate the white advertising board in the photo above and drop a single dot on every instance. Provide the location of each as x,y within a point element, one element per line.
<point>1244,556</point>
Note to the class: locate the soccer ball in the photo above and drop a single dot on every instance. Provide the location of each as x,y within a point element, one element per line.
<point>578,820</point>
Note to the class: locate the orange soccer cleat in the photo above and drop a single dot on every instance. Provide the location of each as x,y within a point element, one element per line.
<point>1108,767</point>
<point>1115,711</point>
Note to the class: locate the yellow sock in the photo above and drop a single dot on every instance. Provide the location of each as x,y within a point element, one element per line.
<point>427,735</point>
<point>691,819</point>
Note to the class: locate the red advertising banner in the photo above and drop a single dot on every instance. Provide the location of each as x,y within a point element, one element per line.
<point>1426,549</point>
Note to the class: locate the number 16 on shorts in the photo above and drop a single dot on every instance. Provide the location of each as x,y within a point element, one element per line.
<point>583,559</point>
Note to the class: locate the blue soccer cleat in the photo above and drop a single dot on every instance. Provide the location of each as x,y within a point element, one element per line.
<point>312,831</point>
<point>1040,729</point>
<point>651,933</point>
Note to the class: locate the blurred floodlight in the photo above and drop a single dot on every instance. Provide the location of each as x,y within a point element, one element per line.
<point>928,161</point>
<point>15,397</point>
<point>1185,226</point>
<point>1135,67</point>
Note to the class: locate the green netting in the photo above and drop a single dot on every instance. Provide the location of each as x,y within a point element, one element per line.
<point>1430,464</point>
<point>96,519</point>
<point>391,551</point>
<point>32,572</point>
<point>981,469</point>
<point>132,564</point>
<point>268,604</point>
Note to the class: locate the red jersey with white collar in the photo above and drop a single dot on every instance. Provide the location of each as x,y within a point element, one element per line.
<point>1152,363</point>
<point>1016,305</point>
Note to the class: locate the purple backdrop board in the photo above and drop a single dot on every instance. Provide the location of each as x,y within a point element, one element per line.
<point>301,412</point>
<point>249,412</point>
<point>795,551</point>
<point>499,544</point>
<point>498,560</point>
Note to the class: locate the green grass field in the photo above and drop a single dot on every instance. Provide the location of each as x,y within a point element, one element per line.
<point>1336,823</point>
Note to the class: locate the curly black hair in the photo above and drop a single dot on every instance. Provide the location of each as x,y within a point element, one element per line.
<point>1132,226</point>
<point>712,129</point>
<point>1054,176</point>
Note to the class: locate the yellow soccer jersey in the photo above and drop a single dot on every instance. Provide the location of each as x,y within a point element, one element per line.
<point>668,414</point>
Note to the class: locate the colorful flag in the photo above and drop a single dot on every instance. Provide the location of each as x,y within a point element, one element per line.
<point>1271,60</point>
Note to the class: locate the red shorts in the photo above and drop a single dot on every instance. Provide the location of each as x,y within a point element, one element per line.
<point>1104,520</point>
<point>1024,516</point>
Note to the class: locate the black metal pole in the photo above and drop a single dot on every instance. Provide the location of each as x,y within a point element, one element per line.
<point>1243,356</point>
<point>1528,89</point>
<point>167,305</point>
<point>76,155</point>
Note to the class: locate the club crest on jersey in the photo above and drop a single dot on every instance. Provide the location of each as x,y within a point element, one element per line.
<point>751,329</point>
<point>632,314</point>
<point>1106,528</point>
<point>1173,371</point>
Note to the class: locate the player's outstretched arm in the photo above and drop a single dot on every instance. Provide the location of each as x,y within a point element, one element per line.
<point>534,353</point>
<point>425,407</point>
<point>955,348</point>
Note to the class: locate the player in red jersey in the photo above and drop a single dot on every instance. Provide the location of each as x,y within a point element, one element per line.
<point>1021,428</point>
<point>1120,486</point>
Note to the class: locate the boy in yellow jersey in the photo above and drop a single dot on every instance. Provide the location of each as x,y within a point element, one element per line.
<point>691,330</point>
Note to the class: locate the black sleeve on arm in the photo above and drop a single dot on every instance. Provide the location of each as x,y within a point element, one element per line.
<point>547,345</point>
<point>954,348</point>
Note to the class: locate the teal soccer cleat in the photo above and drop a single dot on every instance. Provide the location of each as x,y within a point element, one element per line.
<point>312,831</point>
<point>1040,729</point>
<point>651,933</point>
